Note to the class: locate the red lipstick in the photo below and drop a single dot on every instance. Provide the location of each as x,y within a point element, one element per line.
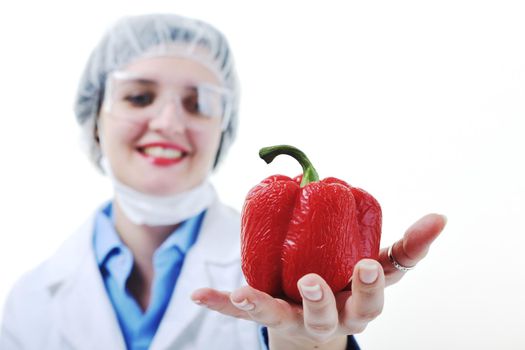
<point>159,160</point>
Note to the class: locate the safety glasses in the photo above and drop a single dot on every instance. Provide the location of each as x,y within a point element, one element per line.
<point>137,99</point>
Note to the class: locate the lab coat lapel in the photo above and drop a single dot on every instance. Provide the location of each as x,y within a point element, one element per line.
<point>208,264</point>
<point>82,308</point>
<point>181,311</point>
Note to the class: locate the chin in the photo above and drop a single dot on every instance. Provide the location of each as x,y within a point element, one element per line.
<point>165,183</point>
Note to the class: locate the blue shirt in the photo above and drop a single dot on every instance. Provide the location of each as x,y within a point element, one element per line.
<point>116,263</point>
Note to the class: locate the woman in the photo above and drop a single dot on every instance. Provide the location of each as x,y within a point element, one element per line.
<point>158,103</point>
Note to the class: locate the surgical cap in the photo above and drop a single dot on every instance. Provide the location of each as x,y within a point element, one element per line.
<point>137,37</point>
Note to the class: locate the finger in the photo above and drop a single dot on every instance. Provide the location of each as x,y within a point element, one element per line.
<point>218,301</point>
<point>366,302</point>
<point>265,309</point>
<point>413,247</point>
<point>321,318</point>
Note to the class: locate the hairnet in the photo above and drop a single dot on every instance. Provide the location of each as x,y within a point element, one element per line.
<point>136,37</point>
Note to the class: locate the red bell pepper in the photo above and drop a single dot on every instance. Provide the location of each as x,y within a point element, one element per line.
<point>292,227</point>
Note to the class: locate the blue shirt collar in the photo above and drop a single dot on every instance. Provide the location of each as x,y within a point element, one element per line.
<point>107,242</point>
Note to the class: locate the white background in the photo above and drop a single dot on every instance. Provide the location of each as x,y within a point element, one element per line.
<point>419,102</point>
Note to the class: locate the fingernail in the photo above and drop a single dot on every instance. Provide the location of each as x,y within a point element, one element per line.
<point>199,302</point>
<point>313,293</point>
<point>445,219</point>
<point>244,305</point>
<point>368,272</point>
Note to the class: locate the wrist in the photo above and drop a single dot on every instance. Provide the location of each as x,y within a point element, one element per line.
<point>278,341</point>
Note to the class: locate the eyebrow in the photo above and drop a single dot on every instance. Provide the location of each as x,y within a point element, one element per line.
<point>141,81</point>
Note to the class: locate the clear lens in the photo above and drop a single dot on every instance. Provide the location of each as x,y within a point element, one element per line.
<point>138,99</point>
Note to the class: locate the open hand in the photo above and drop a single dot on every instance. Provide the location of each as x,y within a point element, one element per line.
<point>325,319</point>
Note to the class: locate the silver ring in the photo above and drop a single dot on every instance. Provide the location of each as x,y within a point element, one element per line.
<point>395,263</point>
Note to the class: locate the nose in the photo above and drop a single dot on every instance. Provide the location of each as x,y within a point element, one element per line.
<point>169,118</point>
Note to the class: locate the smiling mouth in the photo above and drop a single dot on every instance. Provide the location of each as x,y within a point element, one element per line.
<point>162,155</point>
<point>161,152</point>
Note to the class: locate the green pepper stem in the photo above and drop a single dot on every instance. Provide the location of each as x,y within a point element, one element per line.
<point>268,154</point>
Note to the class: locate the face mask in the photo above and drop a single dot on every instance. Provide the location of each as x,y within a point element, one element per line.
<point>152,210</point>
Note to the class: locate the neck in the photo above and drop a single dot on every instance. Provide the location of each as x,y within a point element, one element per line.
<point>142,240</point>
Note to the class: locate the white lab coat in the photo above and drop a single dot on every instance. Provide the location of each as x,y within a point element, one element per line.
<point>63,304</point>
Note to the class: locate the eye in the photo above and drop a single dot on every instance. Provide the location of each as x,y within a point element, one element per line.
<point>140,100</point>
<point>191,104</point>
